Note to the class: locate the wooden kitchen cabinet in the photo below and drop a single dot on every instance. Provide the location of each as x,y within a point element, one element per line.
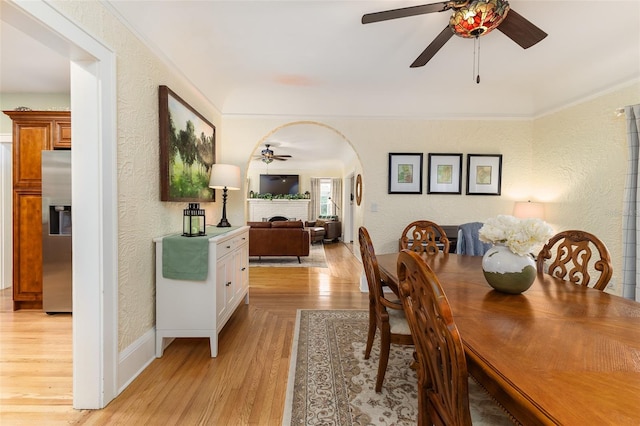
<point>62,137</point>
<point>33,132</point>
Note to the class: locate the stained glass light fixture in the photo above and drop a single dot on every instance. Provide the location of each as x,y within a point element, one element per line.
<point>267,155</point>
<point>478,17</point>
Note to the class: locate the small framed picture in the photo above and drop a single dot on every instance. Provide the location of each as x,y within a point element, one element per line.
<point>405,173</point>
<point>445,174</point>
<point>484,174</point>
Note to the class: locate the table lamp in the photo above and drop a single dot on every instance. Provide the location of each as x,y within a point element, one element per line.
<point>224,176</point>
<point>528,210</point>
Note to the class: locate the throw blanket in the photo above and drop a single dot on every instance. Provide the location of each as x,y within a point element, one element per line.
<point>468,240</point>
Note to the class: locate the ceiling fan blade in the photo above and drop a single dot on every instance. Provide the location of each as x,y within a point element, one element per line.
<point>405,11</point>
<point>433,48</point>
<point>520,30</point>
<point>279,158</point>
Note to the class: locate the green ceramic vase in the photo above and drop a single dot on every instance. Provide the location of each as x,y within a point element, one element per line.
<point>506,271</point>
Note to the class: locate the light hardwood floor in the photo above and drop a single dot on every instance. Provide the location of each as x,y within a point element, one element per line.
<point>244,385</point>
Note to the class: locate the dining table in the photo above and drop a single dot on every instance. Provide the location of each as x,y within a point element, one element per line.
<point>558,353</point>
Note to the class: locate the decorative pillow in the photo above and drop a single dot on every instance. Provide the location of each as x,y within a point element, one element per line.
<point>320,223</point>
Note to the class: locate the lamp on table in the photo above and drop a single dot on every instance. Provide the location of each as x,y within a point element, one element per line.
<point>527,210</point>
<point>225,177</point>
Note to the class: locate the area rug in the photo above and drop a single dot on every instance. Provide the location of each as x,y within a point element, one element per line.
<point>316,259</point>
<point>330,382</point>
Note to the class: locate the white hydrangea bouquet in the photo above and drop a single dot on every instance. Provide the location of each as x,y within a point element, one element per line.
<point>521,236</point>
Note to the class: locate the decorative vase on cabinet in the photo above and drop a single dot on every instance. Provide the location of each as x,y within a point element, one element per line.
<point>506,271</point>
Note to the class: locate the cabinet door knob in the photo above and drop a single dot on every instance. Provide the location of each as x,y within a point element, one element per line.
<point>228,284</point>
<point>228,246</point>
<point>243,269</point>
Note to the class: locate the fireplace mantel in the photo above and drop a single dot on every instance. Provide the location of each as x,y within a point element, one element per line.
<point>261,209</point>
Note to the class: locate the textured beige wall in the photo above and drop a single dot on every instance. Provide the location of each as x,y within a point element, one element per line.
<point>580,163</point>
<point>141,215</point>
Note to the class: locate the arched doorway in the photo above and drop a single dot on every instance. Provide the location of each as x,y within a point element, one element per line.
<point>316,150</point>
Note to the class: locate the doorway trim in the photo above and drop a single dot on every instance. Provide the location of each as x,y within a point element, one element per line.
<point>94,195</point>
<point>6,208</point>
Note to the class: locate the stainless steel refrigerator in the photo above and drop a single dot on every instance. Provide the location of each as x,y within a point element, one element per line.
<point>56,232</point>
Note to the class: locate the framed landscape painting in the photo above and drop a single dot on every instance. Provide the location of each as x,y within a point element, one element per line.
<point>405,173</point>
<point>187,150</point>
<point>484,174</point>
<point>445,174</point>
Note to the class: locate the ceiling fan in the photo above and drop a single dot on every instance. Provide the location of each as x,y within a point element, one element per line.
<point>267,155</point>
<point>470,19</point>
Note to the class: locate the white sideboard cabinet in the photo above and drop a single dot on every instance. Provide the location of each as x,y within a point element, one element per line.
<point>187,308</point>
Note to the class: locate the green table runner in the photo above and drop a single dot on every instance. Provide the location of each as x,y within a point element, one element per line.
<point>187,258</point>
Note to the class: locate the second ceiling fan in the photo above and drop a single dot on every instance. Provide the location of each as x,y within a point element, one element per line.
<point>470,19</point>
<point>267,155</point>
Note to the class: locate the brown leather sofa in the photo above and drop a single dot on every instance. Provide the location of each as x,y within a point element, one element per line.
<point>280,238</point>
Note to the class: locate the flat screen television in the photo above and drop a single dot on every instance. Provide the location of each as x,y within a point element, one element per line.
<point>279,184</point>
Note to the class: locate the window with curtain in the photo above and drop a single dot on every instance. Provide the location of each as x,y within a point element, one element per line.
<point>326,196</point>
<point>326,207</point>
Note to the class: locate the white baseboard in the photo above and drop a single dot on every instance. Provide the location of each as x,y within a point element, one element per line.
<point>135,358</point>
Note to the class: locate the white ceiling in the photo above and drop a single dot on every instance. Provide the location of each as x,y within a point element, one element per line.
<point>311,57</point>
<point>314,58</point>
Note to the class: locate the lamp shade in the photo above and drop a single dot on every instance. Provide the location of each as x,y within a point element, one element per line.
<point>528,210</point>
<point>225,176</point>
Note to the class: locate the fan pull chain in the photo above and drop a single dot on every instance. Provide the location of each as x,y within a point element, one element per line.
<point>476,59</point>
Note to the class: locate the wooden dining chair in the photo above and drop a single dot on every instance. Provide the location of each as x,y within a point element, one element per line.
<point>385,315</point>
<point>447,396</point>
<point>424,236</point>
<point>569,255</point>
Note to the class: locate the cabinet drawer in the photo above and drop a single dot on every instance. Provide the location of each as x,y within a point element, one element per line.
<point>227,246</point>
<point>223,248</point>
